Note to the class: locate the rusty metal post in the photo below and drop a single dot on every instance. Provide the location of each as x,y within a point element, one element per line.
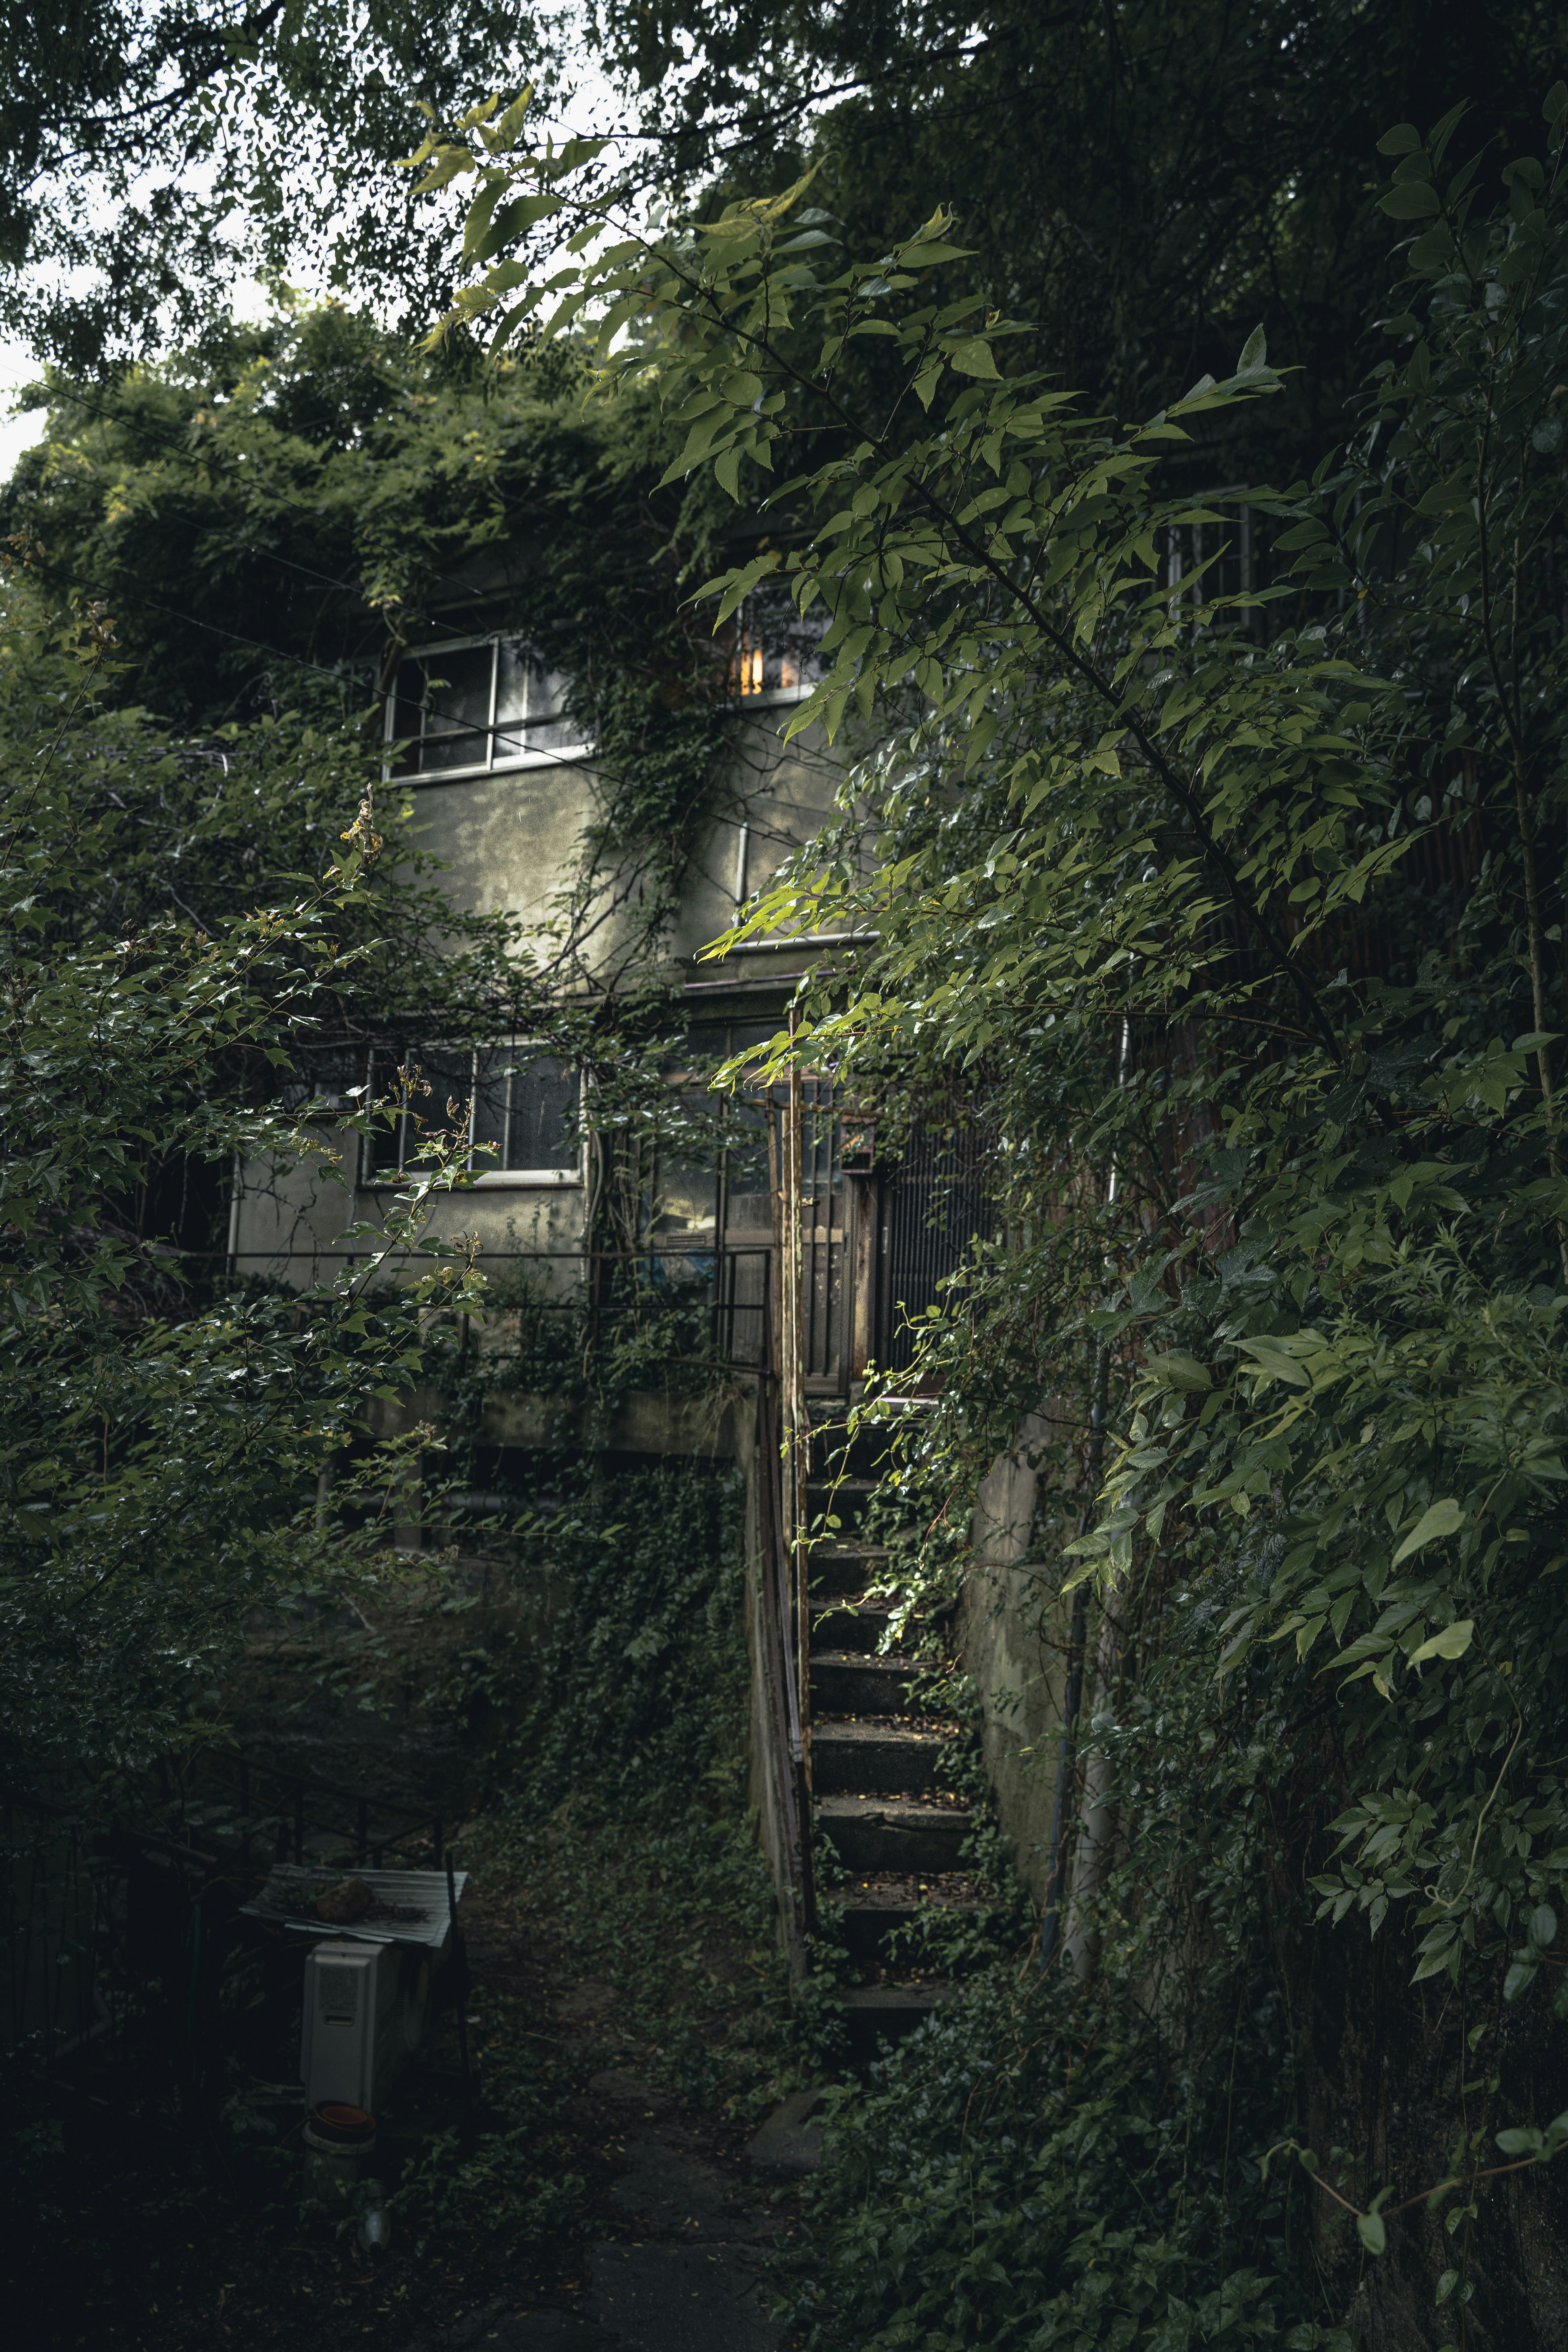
<point>797,1454</point>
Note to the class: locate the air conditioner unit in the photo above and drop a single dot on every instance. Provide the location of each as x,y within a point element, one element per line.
<point>366,2008</point>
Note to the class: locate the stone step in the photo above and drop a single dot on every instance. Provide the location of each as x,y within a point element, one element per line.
<point>878,1836</point>
<point>847,1681</point>
<point>871,1915</point>
<point>881,1754</point>
<point>879,2015</point>
<point>849,1624</point>
<point>789,2141</point>
<point>845,1567</point>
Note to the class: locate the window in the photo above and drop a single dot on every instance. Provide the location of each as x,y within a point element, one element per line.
<point>475,705</point>
<point>774,649</point>
<point>527,1104</point>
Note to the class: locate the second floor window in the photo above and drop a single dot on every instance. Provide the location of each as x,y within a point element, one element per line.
<point>476,704</point>
<point>772,649</point>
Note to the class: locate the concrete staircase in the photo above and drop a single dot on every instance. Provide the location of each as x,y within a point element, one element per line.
<point>881,1805</point>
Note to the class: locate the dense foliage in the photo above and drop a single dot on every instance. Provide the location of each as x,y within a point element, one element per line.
<point>275,514</point>
<point>180,916</point>
<point>1139,185</point>
<point>1238,905</point>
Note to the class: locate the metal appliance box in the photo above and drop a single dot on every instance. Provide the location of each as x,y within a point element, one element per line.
<point>365,2009</point>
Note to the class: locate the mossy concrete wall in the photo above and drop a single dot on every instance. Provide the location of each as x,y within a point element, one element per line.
<point>716,1426</point>
<point>1010,1641</point>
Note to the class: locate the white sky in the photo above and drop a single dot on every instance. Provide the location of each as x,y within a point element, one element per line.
<point>17,367</point>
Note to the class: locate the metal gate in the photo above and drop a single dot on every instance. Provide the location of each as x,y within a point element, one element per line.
<point>933,1205</point>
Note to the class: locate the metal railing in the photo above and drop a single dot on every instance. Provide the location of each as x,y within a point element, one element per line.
<point>121,1910</point>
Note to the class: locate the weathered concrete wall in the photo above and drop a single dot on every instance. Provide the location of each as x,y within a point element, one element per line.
<point>511,842</point>
<point>646,1421</point>
<point>1015,1669</point>
<point>292,1221</point>
<point>511,839</point>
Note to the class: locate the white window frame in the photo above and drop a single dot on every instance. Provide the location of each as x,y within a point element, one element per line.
<point>487,1177</point>
<point>498,762</point>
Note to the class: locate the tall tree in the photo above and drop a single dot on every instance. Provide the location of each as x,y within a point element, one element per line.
<point>1237,903</point>
<point>151,150</point>
<point>1142,181</point>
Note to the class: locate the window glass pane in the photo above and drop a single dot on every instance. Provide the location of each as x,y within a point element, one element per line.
<point>549,726</point>
<point>541,1125</point>
<point>453,688</point>
<point>747,1173</point>
<point>492,1090</point>
<point>431,1077</point>
<point>531,704</point>
<point>382,1153</point>
<point>707,1040</point>
<point>689,1166</point>
<point>512,691</point>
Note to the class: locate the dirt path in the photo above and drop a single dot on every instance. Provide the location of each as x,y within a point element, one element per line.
<point>678,2216</point>
<point>589,2210</point>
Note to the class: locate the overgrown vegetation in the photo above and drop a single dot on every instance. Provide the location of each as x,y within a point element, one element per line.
<point>1247,894</point>
<point>331,494</point>
<point>165,1431</point>
<point>1212,846</point>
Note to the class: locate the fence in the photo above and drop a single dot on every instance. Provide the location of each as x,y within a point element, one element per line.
<point>123,1943</point>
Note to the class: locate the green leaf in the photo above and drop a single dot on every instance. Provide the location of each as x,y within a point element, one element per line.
<point>1515,1985</point>
<point>1275,1363</point>
<point>1403,140</point>
<point>1524,2140</point>
<point>1451,1642</point>
<point>1175,1370</point>
<point>1371,2229</point>
<point>513,221</point>
<point>1411,200</point>
<point>975,357</point>
<point>1440,1520</point>
<point>1254,352</point>
<point>1541,1925</point>
<point>727,470</point>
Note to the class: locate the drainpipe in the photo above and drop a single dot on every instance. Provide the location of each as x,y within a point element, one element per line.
<point>234,1189</point>
<point>741,847</point>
